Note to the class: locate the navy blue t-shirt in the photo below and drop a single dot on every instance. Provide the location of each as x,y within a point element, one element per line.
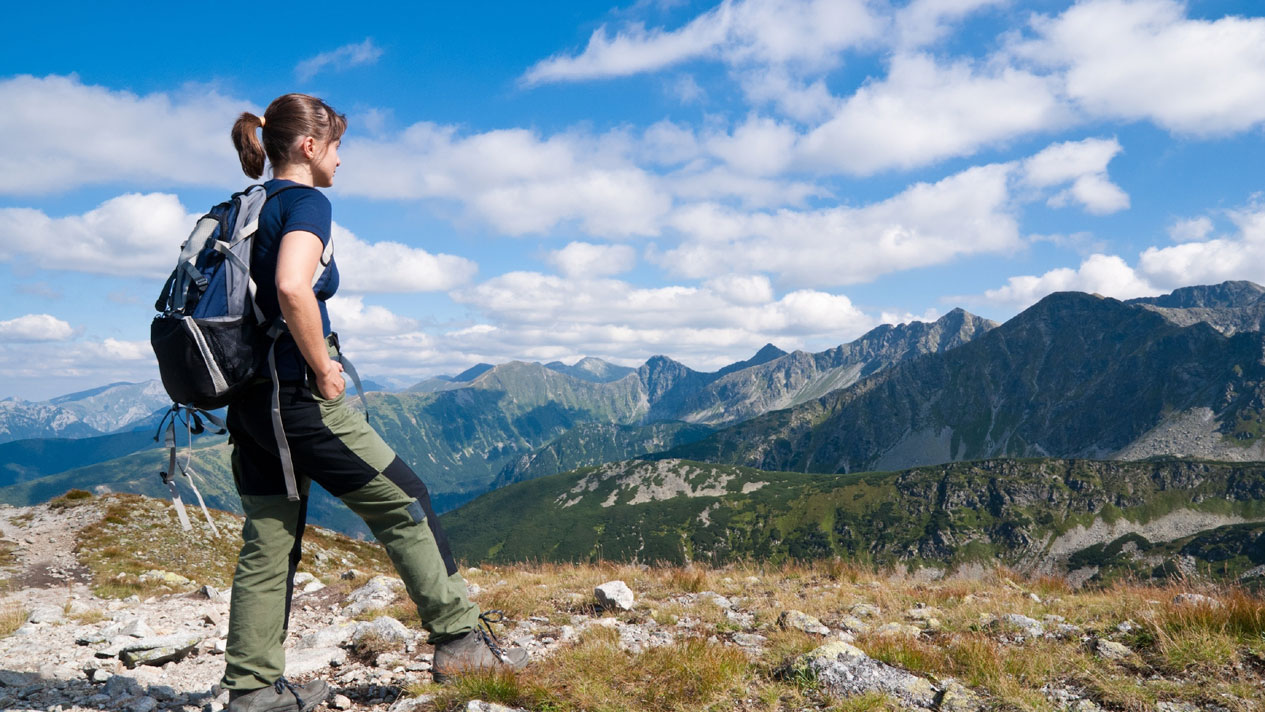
<point>304,209</point>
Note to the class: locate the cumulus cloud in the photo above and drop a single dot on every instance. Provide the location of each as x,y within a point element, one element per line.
<point>1084,164</point>
<point>923,22</point>
<point>1107,275</point>
<point>1191,230</point>
<point>351,316</point>
<point>1146,60</point>
<point>351,55</point>
<point>388,266</point>
<point>924,111</point>
<point>586,260</point>
<point>57,133</point>
<point>42,369</point>
<point>130,235</point>
<point>35,327</point>
<point>928,223</point>
<point>513,179</point>
<point>137,235</point>
<point>1238,256</point>
<point>808,33</point>
<point>1196,260</point>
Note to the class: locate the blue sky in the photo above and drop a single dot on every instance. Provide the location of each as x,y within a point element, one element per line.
<point>546,181</point>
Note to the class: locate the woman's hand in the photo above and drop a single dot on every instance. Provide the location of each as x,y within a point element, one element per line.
<point>330,383</point>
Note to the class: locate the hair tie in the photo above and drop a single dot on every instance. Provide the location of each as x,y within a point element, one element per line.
<point>261,122</point>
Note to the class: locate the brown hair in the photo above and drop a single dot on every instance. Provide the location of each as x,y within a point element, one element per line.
<point>287,119</point>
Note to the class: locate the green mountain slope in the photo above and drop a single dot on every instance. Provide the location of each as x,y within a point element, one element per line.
<point>22,460</point>
<point>1035,514</point>
<point>596,443</point>
<point>1073,376</point>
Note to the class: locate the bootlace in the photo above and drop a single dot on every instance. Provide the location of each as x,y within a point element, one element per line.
<point>484,629</point>
<point>282,684</point>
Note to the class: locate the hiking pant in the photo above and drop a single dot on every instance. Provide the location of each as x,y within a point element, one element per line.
<point>333,445</point>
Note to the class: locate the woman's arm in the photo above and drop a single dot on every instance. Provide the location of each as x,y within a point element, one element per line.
<point>297,260</point>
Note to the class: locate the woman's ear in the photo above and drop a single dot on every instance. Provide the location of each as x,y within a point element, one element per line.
<point>308,146</point>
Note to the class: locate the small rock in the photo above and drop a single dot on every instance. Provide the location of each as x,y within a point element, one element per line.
<point>1111,650</point>
<point>865,610</point>
<point>798,620</point>
<point>46,614</point>
<point>614,594</point>
<point>166,577</point>
<point>157,651</point>
<point>309,660</point>
<point>481,706</point>
<point>1195,599</point>
<point>9,678</point>
<point>899,629</point>
<point>1029,626</point>
<point>843,670</point>
<point>1127,627</point>
<point>411,704</point>
<point>97,676</point>
<point>328,637</point>
<point>750,640</point>
<point>1067,631</point>
<point>956,698</point>
<point>1176,707</point>
<point>852,624</point>
<point>340,702</point>
<point>350,574</point>
<point>378,593</point>
<point>208,591</point>
<point>143,704</point>
<point>1034,598</point>
<point>384,628</point>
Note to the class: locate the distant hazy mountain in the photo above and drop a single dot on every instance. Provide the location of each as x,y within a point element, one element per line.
<point>1073,376</point>
<point>101,410</point>
<point>591,369</point>
<point>1044,515</point>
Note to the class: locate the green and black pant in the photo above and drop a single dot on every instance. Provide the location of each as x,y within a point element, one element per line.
<point>334,446</point>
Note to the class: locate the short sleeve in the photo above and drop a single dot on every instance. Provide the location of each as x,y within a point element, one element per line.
<point>308,210</point>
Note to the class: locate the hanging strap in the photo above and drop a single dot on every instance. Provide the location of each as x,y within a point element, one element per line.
<point>193,418</point>
<point>278,428</point>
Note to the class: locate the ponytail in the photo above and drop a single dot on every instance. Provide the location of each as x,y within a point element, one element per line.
<point>249,150</point>
<point>288,118</point>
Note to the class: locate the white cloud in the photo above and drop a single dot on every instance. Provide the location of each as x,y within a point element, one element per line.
<point>140,236</point>
<point>924,112</point>
<point>1240,256</point>
<point>48,368</point>
<point>131,235</point>
<point>928,223</point>
<point>1084,163</point>
<point>352,55</point>
<point>351,317</point>
<point>57,133</point>
<point>1191,230</point>
<point>1107,275</point>
<point>387,266</point>
<point>585,260</point>
<point>1145,60</point>
<point>35,327</point>
<point>513,179</point>
<point>923,22</point>
<point>807,33</point>
<point>760,146</point>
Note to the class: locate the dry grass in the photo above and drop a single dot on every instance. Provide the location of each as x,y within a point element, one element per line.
<point>12,618</point>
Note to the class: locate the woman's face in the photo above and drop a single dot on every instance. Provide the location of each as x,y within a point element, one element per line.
<point>325,163</point>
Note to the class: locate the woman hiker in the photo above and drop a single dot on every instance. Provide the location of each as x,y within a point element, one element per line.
<point>330,443</point>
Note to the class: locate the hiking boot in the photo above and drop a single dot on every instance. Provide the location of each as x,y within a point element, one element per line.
<point>477,650</point>
<point>281,696</point>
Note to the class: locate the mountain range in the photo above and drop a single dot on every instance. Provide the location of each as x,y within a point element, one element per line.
<point>1074,376</point>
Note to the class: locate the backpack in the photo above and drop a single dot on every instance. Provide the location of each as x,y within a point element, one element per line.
<point>210,336</point>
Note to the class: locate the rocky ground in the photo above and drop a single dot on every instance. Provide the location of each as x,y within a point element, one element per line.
<point>748,638</point>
